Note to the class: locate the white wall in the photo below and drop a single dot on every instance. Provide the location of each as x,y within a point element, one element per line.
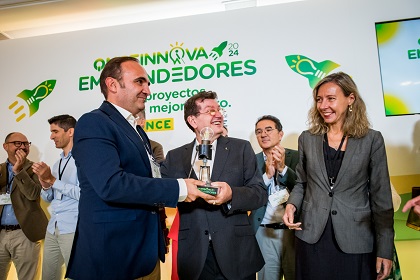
<point>336,30</point>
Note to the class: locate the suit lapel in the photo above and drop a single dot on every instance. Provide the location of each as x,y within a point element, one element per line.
<point>319,151</point>
<point>221,156</point>
<point>261,162</point>
<point>127,129</point>
<point>186,160</point>
<point>287,157</point>
<point>348,155</point>
<point>25,167</point>
<point>3,177</point>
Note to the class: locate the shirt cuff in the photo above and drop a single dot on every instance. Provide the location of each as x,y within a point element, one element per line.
<point>183,192</point>
<point>267,181</point>
<point>284,171</point>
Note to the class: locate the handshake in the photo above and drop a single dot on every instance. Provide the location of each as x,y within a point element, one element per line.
<point>216,193</point>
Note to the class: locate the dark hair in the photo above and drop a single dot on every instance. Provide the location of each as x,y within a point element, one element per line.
<point>113,69</point>
<point>191,108</point>
<point>356,123</point>
<point>273,119</point>
<point>64,121</point>
<point>8,136</point>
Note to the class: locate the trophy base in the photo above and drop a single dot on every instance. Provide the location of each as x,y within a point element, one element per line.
<point>209,190</point>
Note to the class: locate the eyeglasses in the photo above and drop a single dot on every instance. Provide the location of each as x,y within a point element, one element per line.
<point>20,143</point>
<point>213,112</point>
<point>267,130</point>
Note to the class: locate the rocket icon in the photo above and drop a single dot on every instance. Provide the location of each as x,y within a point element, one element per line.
<point>32,98</point>
<point>312,70</point>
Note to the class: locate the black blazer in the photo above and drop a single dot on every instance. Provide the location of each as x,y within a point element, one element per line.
<point>235,246</point>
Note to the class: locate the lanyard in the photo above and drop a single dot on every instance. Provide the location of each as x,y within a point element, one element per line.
<point>9,182</point>
<point>146,144</point>
<point>60,173</point>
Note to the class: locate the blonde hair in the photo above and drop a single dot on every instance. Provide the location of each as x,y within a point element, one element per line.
<point>356,123</point>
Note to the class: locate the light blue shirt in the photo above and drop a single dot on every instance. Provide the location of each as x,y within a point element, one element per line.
<point>273,214</point>
<point>64,196</point>
<point>8,216</point>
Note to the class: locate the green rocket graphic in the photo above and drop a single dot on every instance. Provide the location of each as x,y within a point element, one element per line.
<point>309,68</point>
<point>217,52</point>
<point>32,98</point>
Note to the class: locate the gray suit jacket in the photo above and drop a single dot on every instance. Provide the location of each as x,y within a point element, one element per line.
<point>288,180</point>
<point>234,243</point>
<point>360,203</point>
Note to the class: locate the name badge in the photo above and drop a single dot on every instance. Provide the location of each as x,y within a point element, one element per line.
<point>279,197</point>
<point>5,199</point>
<point>155,168</point>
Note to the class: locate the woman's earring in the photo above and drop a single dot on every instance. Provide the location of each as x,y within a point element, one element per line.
<point>350,108</point>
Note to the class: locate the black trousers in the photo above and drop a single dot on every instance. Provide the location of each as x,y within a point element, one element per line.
<point>211,270</point>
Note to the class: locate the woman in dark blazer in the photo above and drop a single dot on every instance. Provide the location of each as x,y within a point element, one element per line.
<point>342,197</point>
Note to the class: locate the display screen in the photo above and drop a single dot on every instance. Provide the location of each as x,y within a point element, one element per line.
<point>399,57</point>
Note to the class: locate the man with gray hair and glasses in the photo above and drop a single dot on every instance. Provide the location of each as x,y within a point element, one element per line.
<point>23,222</point>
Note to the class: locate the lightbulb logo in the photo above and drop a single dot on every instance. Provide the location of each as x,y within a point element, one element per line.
<point>31,99</point>
<point>312,70</point>
<point>99,64</point>
<point>177,53</point>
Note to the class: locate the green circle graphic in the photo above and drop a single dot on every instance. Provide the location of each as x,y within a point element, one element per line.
<point>386,31</point>
<point>395,106</point>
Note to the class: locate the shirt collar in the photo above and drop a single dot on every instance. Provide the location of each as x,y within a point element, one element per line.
<point>65,157</point>
<point>265,157</point>
<point>9,165</point>
<point>131,119</point>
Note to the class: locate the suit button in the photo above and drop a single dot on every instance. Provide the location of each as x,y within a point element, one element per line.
<point>334,212</point>
<point>331,194</point>
<point>206,232</point>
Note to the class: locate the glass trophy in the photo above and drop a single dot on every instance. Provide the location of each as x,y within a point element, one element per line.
<point>205,153</point>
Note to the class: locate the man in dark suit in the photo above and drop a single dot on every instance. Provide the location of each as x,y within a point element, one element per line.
<point>216,239</point>
<point>118,235</point>
<point>277,164</point>
<point>23,222</point>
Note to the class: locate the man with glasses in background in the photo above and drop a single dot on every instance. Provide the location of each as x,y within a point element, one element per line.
<point>277,165</point>
<point>23,222</point>
<point>216,240</point>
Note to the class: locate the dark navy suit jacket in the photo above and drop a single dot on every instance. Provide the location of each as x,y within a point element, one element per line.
<point>118,235</point>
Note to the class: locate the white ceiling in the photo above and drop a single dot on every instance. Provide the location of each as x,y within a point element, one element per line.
<point>25,18</point>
